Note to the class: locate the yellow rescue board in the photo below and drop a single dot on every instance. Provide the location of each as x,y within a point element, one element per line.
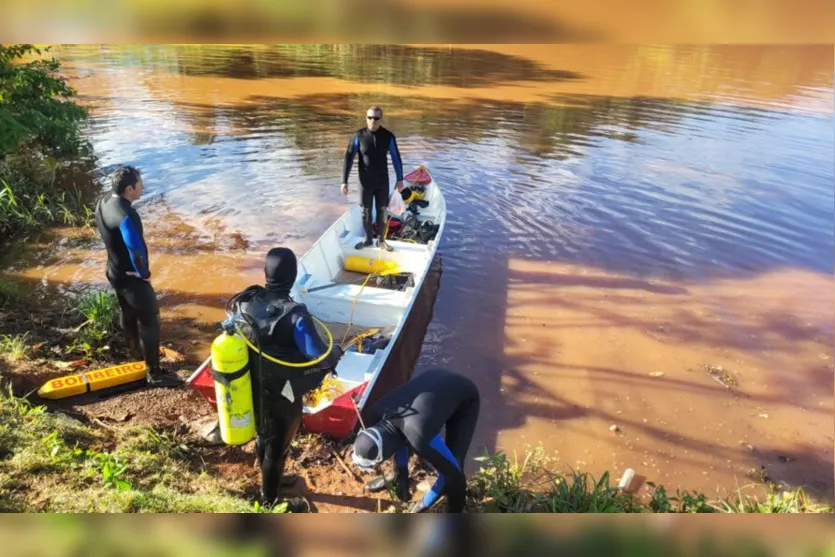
<point>95,380</point>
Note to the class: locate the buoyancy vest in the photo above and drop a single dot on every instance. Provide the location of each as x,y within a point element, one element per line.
<point>270,318</point>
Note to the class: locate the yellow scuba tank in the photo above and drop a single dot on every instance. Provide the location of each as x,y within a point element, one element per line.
<point>233,386</point>
<point>359,264</point>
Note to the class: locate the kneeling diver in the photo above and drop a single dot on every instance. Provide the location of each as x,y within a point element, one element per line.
<point>282,330</point>
<point>410,418</point>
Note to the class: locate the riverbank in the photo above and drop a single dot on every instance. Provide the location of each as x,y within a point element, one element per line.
<point>618,252</point>
<point>51,462</point>
<point>142,451</point>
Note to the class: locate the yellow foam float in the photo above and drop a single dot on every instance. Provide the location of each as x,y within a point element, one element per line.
<point>95,380</point>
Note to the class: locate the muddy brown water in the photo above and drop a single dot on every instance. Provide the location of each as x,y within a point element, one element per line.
<point>620,219</point>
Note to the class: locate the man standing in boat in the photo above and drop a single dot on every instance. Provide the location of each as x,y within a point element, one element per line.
<point>129,273</point>
<point>373,144</point>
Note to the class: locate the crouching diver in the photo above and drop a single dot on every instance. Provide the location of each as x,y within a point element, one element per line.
<point>280,330</point>
<point>409,419</point>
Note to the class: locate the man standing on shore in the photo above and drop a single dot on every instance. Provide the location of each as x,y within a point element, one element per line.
<point>129,273</point>
<point>373,143</point>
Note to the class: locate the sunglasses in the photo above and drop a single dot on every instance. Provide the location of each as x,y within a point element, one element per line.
<point>373,117</point>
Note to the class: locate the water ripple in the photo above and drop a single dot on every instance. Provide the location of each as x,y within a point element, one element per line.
<point>638,185</point>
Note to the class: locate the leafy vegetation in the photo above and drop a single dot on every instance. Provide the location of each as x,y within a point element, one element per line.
<point>42,149</point>
<point>52,463</point>
<point>508,486</point>
<point>10,291</point>
<point>36,104</point>
<point>89,327</point>
<point>15,347</point>
<point>30,209</point>
<point>100,310</point>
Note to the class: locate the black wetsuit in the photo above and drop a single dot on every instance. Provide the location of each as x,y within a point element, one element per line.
<point>285,331</point>
<point>127,270</point>
<point>373,149</point>
<point>417,410</point>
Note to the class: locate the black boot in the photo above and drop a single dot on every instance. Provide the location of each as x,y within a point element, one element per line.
<point>367,226</point>
<point>296,504</point>
<point>158,378</point>
<point>134,347</point>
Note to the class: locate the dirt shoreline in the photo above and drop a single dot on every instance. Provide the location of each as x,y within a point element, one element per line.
<point>330,486</point>
<point>183,412</point>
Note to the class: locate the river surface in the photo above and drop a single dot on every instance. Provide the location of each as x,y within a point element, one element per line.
<point>621,221</point>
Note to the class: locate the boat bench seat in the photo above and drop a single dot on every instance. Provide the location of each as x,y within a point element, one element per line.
<point>375,307</point>
<point>371,295</point>
<point>405,248</point>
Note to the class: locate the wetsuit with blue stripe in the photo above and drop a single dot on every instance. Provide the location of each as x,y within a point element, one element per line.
<point>417,410</point>
<point>128,271</point>
<point>372,150</point>
<point>283,329</point>
<point>289,335</point>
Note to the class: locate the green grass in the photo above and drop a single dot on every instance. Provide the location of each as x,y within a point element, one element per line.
<point>95,316</point>
<point>27,207</point>
<point>100,311</point>
<point>775,502</point>
<point>510,486</point>
<point>15,347</point>
<point>49,463</point>
<point>10,292</point>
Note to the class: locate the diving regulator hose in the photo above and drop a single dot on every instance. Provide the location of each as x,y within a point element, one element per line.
<point>236,320</point>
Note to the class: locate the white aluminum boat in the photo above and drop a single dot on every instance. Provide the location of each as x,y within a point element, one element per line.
<point>348,304</point>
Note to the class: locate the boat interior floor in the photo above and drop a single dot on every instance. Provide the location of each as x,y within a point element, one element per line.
<point>338,330</point>
<point>349,277</point>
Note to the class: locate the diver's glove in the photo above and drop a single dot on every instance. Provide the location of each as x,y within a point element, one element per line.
<point>401,480</point>
<point>378,483</point>
<point>419,507</point>
<point>330,364</point>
